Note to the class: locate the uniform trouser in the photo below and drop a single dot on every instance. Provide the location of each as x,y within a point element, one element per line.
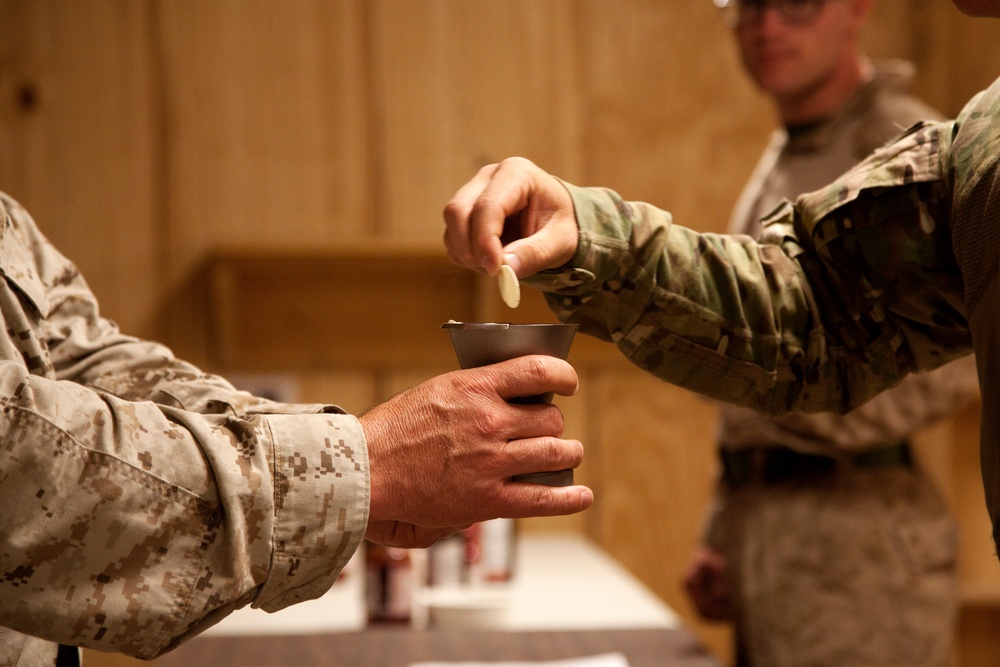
<point>855,568</point>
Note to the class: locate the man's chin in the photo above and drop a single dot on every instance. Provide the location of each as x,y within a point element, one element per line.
<point>774,78</point>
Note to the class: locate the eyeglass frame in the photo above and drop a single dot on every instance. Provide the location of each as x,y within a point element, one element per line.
<point>731,10</point>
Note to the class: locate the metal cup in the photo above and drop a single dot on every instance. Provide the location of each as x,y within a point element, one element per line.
<point>483,343</point>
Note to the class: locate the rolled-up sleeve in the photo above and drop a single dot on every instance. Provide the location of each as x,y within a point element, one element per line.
<point>130,526</point>
<point>143,499</point>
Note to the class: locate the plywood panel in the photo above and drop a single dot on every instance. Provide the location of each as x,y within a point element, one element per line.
<point>351,391</point>
<point>663,87</point>
<point>892,29</point>
<point>457,85</point>
<point>974,62</point>
<point>335,309</point>
<point>978,566</point>
<point>657,468</point>
<point>979,643</point>
<point>371,304</point>
<point>956,55</point>
<point>78,121</point>
<point>265,123</point>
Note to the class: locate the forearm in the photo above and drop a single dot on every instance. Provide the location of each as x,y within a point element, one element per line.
<point>129,515</point>
<point>716,314</point>
<point>90,350</point>
<point>780,326</point>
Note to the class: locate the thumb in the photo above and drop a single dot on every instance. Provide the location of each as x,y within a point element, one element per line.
<point>551,246</point>
<point>535,374</point>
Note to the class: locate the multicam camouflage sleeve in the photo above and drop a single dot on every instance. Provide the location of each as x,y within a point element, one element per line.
<point>143,499</point>
<point>850,288</point>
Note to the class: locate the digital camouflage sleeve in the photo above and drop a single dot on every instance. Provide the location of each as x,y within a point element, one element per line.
<point>143,500</point>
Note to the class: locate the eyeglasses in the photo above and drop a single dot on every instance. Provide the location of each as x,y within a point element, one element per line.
<point>793,12</point>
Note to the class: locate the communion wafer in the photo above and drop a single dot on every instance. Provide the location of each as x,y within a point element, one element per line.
<point>510,288</point>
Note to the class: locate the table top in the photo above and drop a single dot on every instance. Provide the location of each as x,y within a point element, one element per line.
<point>401,647</point>
<point>563,581</point>
<point>568,599</point>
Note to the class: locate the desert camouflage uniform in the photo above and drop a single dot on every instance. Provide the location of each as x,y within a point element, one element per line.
<point>889,270</point>
<point>849,563</point>
<point>144,500</point>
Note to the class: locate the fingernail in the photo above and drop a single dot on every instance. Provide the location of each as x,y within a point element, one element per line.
<point>511,260</point>
<point>586,498</point>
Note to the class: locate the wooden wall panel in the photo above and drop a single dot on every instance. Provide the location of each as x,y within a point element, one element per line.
<point>457,85</point>
<point>671,119</point>
<point>356,306</point>
<point>266,124</point>
<point>656,471</point>
<point>662,81</point>
<point>77,141</point>
<point>978,566</point>
<point>891,30</point>
<point>956,55</point>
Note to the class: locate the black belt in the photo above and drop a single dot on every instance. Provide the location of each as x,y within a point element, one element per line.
<point>773,465</point>
<point>68,656</point>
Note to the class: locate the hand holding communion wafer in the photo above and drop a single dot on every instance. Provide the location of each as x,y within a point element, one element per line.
<point>511,214</point>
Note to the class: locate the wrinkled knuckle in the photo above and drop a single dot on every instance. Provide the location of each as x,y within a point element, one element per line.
<point>517,161</point>
<point>556,451</point>
<point>453,211</point>
<point>572,453</point>
<point>550,422</point>
<point>542,502</point>
<point>484,202</point>
<point>556,420</point>
<point>538,367</point>
<point>490,422</point>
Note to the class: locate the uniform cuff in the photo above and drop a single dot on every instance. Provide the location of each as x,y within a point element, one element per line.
<point>321,500</point>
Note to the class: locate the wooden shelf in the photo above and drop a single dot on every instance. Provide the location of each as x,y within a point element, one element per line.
<point>366,304</point>
<point>985,595</point>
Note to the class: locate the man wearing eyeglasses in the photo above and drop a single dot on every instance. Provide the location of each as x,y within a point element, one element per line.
<point>815,512</point>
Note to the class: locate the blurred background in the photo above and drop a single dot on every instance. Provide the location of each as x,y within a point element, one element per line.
<point>260,185</point>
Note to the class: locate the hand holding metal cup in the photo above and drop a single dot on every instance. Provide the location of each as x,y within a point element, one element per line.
<point>483,343</point>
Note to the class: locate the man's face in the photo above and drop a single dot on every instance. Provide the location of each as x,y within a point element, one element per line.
<point>788,59</point>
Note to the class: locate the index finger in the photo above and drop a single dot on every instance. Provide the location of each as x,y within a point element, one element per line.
<point>458,221</point>
<point>476,215</point>
<point>532,375</point>
<point>507,193</point>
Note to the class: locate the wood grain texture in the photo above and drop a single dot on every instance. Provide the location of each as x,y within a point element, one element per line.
<point>78,141</point>
<point>457,85</point>
<point>266,124</point>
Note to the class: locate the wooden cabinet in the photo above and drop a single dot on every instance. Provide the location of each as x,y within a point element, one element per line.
<point>361,305</point>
